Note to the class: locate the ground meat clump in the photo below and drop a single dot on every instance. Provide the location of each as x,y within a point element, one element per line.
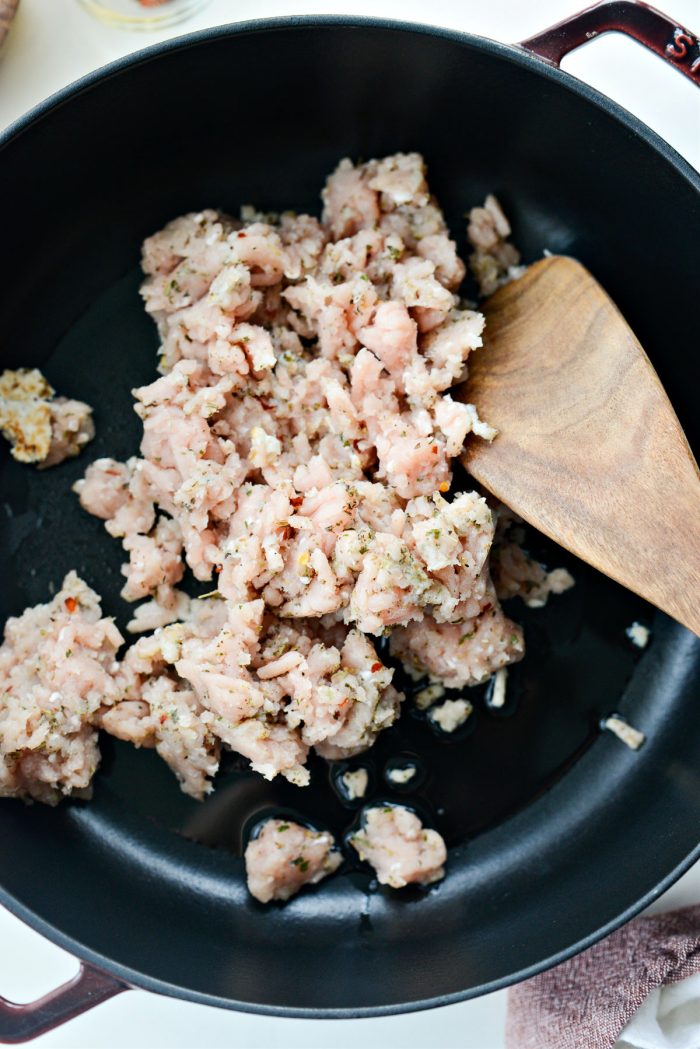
<point>285,857</point>
<point>452,714</point>
<point>297,452</point>
<point>494,260</point>
<point>461,654</point>
<point>57,671</point>
<point>402,852</point>
<point>301,434</point>
<point>42,428</point>
<point>297,455</point>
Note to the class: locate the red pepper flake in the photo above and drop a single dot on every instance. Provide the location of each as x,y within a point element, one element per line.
<point>218,568</point>
<point>375,667</point>
<point>163,718</point>
<point>296,500</point>
<point>242,235</point>
<point>434,449</point>
<point>286,532</point>
<point>71,604</point>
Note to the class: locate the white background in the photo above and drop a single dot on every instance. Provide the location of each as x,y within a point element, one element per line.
<point>52,43</point>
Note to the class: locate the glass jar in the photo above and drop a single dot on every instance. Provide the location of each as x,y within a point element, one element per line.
<point>143,14</point>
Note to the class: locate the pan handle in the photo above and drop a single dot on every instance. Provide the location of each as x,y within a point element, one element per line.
<point>89,987</point>
<point>643,23</point>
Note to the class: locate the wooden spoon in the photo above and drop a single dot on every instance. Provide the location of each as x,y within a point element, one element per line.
<point>589,449</point>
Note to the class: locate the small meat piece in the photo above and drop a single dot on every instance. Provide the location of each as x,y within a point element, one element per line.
<point>25,415</point>
<point>240,709</point>
<point>130,721</point>
<point>286,856</point>
<point>42,429</point>
<point>354,783</point>
<point>401,180</point>
<point>400,776</point>
<point>349,203</point>
<point>515,573</point>
<point>104,488</point>
<point>57,667</point>
<point>428,695</point>
<point>341,698</point>
<point>495,259</point>
<point>272,748</point>
<point>402,852</point>
<point>167,606</point>
<point>451,715</point>
<point>166,717</point>
<point>460,654</point>
<point>154,560</point>
<point>72,427</point>
<point>118,493</point>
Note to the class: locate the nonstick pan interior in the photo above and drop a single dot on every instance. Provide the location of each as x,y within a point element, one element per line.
<point>556,830</point>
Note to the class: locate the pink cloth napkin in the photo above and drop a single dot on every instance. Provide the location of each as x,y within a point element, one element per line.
<point>585,1002</point>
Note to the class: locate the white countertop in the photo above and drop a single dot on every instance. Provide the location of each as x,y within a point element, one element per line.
<point>52,43</point>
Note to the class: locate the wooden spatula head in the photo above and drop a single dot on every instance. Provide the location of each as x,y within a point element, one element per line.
<point>589,449</point>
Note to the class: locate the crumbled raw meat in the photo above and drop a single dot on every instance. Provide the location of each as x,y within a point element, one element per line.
<point>495,260</point>
<point>246,419</point>
<point>42,428</point>
<point>451,715</point>
<point>286,856</point>
<point>341,698</point>
<point>156,709</point>
<point>459,654</point>
<point>258,685</point>
<point>104,489</point>
<point>308,477</point>
<point>118,493</point>
<point>57,667</point>
<point>401,776</point>
<point>154,560</point>
<point>515,573</point>
<point>428,695</point>
<point>402,852</point>
<point>297,449</point>
<point>72,428</point>
<point>354,783</point>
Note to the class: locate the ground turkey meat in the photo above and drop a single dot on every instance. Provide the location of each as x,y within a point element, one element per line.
<point>57,671</point>
<point>41,428</point>
<point>286,856</point>
<point>402,852</point>
<point>296,454</point>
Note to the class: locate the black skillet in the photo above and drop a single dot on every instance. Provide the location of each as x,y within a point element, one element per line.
<point>558,833</point>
